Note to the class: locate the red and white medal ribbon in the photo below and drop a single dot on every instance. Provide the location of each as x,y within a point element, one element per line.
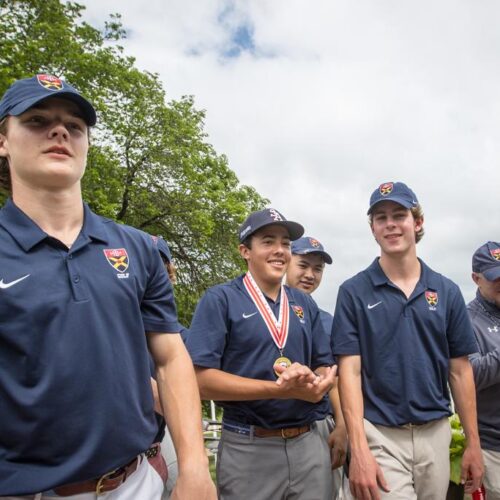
<point>278,328</point>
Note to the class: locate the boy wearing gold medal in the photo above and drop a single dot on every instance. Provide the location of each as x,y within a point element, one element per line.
<point>260,350</point>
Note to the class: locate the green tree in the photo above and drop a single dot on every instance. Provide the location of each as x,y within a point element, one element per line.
<point>150,164</point>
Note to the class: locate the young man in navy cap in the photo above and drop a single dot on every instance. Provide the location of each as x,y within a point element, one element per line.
<point>401,333</point>
<point>260,350</point>
<point>82,299</point>
<point>484,312</point>
<point>305,272</point>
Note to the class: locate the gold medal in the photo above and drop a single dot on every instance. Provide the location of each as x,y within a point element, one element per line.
<point>282,361</point>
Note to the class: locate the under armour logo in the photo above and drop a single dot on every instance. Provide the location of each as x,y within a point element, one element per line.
<point>275,214</point>
<point>494,329</point>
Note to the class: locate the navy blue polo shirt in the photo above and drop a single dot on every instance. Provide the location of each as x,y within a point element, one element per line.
<point>76,400</point>
<point>228,333</point>
<point>405,344</point>
<point>327,320</point>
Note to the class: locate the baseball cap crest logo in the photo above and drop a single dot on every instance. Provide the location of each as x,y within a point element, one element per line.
<point>314,243</point>
<point>50,82</point>
<point>495,253</point>
<point>275,214</point>
<point>386,188</point>
<point>431,297</point>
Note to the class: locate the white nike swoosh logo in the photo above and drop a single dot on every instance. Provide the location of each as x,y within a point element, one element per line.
<point>245,316</point>
<point>12,283</point>
<point>371,306</point>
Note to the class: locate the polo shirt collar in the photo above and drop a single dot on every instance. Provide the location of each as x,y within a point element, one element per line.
<point>376,274</point>
<point>28,234</point>
<point>427,279</point>
<point>241,286</point>
<point>93,225</point>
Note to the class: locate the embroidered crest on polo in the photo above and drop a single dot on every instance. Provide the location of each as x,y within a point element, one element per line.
<point>299,312</point>
<point>50,82</point>
<point>278,328</point>
<point>495,253</point>
<point>118,260</point>
<point>386,188</point>
<point>432,299</point>
<point>314,243</point>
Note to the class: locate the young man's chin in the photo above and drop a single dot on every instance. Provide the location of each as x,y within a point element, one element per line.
<point>273,274</point>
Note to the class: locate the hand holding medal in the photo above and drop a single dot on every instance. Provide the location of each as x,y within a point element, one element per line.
<point>300,382</point>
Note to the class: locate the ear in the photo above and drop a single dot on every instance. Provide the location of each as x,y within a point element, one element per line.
<point>244,251</point>
<point>3,145</point>
<point>419,223</point>
<point>475,278</point>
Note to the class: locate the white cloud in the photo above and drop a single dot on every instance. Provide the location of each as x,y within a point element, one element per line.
<point>335,97</point>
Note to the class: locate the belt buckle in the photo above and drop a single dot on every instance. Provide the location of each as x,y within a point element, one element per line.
<point>152,452</point>
<point>285,434</point>
<point>99,486</point>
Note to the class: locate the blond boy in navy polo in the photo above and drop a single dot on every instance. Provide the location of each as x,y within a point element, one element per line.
<point>82,299</point>
<point>260,350</point>
<point>401,333</point>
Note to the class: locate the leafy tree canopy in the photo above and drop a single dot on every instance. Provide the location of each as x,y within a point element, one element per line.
<point>150,164</point>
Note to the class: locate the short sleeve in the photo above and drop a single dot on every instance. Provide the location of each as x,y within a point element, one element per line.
<point>159,313</point>
<point>207,334</point>
<point>345,334</point>
<point>461,338</point>
<point>321,352</point>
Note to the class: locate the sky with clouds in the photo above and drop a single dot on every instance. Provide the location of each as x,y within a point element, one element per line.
<point>317,102</point>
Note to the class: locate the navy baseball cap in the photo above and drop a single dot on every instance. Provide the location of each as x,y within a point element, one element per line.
<point>162,246</point>
<point>306,245</point>
<point>266,217</point>
<point>486,260</point>
<point>25,93</point>
<point>398,192</point>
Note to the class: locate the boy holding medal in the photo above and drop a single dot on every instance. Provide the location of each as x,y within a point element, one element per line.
<point>255,344</point>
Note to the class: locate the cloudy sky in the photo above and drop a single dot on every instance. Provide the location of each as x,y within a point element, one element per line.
<point>317,102</point>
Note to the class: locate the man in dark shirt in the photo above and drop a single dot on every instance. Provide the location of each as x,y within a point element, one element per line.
<point>484,312</point>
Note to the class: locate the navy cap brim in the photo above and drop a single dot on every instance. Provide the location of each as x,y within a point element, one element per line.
<point>326,257</point>
<point>89,114</point>
<point>395,199</point>
<point>295,230</point>
<point>492,274</point>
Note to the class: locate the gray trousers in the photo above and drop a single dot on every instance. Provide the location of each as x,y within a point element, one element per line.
<point>253,468</point>
<point>325,427</point>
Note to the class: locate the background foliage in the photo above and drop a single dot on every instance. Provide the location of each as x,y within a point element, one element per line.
<point>150,164</point>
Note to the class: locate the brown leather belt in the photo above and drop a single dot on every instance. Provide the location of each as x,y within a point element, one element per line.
<point>288,433</point>
<point>107,482</point>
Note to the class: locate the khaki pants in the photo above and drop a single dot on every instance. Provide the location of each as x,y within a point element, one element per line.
<point>492,474</point>
<point>414,459</point>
